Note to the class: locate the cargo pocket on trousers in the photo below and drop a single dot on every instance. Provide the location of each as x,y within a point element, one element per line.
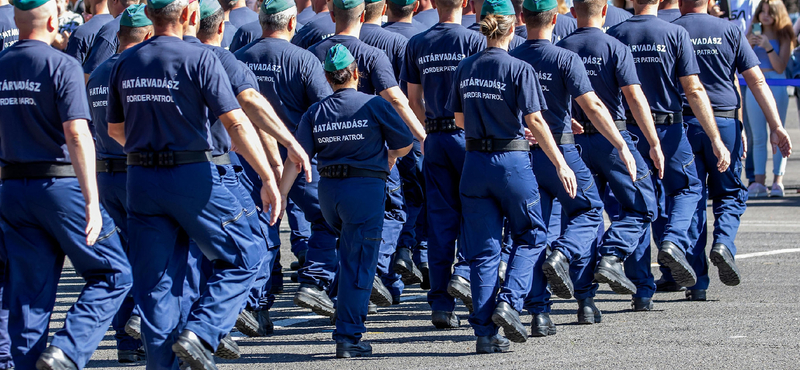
<point>244,251</point>
<point>367,257</point>
<point>645,194</point>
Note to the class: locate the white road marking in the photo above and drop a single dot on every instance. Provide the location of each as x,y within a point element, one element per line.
<point>756,254</point>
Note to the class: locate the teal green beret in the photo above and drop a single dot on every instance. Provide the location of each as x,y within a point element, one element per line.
<point>134,16</point>
<point>370,1</point>
<point>347,4</point>
<point>208,7</point>
<point>403,2</point>
<point>158,4</point>
<point>29,4</point>
<point>276,6</point>
<point>338,58</point>
<point>498,7</point>
<point>540,5</point>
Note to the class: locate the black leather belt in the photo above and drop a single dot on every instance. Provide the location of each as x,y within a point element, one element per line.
<point>440,125</point>
<point>342,171</point>
<point>167,159</point>
<point>588,127</point>
<point>497,145</point>
<point>111,165</point>
<point>221,160</point>
<point>560,139</point>
<point>36,170</point>
<point>717,113</point>
<point>659,118</point>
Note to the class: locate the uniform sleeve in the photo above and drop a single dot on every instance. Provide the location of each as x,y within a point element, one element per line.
<point>215,85</point>
<point>626,69</point>
<point>101,50</point>
<point>305,132</point>
<point>71,99</point>
<point>395,132</point>
<point>250,77</point>
<point>73,47</point>
<point>237,74</point>
<point>745,56</point>
<point>528,91</point>
<point>454,99</point>
<point>409,72</point>
<point>240,39</point>
<point>317,87</point>
<point>577,80</point>
<point>382,76</point>
<point>685,60</point>
<point>114,110</point>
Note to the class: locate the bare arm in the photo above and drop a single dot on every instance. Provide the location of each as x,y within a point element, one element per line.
<point>544,137</point>
<point>81,152</point>
<point>758,86</point>
<point>246,140</point>
<point>780,60</point>
<point>263,116</point>
<point>701,107</point>
<point>117,132</point>
<point>460,120</point>
<point>640,109</point>
<point>270,146</point>
<point>740,116</point>
<point>400,103</point>
<point>397,153</point>
<point>601,119</point>
<point>416,100</point>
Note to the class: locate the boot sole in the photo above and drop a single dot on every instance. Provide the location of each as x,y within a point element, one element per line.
<point>589,320</point>
<point>351,354</point>
<point>43,365</point>
<point>605,276</point>
<point>515,332</point>
<point>192,356</point>
<point>448,324</point>
<point>410,276</point>
<point>380,297</point>
<point>458,292</point>
<point>559,281</point>
<point>247,327</point>
<point>542,331</point>
<point>226,352</point>
<point>728,271</point>
<point>683,274</point>
<point>308,301</point>
<point>493,349</point>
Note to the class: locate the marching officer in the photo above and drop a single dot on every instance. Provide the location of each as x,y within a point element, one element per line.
<point>49,203</point>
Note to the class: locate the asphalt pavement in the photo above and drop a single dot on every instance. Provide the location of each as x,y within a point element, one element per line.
<point>753,325</point>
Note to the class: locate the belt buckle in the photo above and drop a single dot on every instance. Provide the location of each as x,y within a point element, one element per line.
<point>486,145</point>
<point>166,159</point>
<point>108,165</point>
<point>147,159</point>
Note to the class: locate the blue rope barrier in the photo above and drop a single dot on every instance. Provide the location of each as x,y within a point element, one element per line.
<point>776,82</point>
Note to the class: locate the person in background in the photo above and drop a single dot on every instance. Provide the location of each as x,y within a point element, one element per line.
<point>82,39</point>
<point>426,14</point>
<point>668,10</point>
<point>773,46</point>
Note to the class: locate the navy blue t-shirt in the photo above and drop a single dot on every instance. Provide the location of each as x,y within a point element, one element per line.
<point>663,53</point>
<point>374,66</point>
<point>495,91</point>
<point>40,89</point>
<point>564,26</point>
<point>241,79</point>
<point>9,33</point>
<point>241,16</point>
<point>669,15</point>
<point>106,147</point>
<point>353,128</point>
<point>721,50</point>
<point>164,89</point>
<point>82,39</point>
<point>305,16</point>
<point>245,35</point>
<point>432,57</point>
<point>317,29</point>
<point>562,77</point>
<point>104,46</point>
<point>615,16</point>
<point>428,17</point>
<point>392,44</point>
<point>609,65</point>
<point>227,35</point>
<point>468,20</point>
<point>408,30</point>
<point>289,77</point>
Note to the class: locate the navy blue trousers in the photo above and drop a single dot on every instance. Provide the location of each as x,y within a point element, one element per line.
<point>495,186</point>
<point>394,218</point>
<point>410,168</point>
<point>442,165</point>
<point>583,216</point>
<point>43,220</point>
<point>113,197</point>
<point>6,361</point>
<point>167,206</point>
<point>354,208</point>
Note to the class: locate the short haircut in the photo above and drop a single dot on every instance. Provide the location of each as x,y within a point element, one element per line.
<point>373,10</point>
<point>448,4</point>
<point>132,35</point>
<point>168,14</point>
<point>128,3</point>
<point>647,2</point>
<point>348,16</point>
<point>589,8</point>
<point>539,19</point>
<point>400,11</point>
<point>517,5</point>
<point>277,21</point>
<point>228,4</point>
<point>209,25</point>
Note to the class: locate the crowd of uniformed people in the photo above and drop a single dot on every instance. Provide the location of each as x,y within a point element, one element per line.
<point>469,146</point>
